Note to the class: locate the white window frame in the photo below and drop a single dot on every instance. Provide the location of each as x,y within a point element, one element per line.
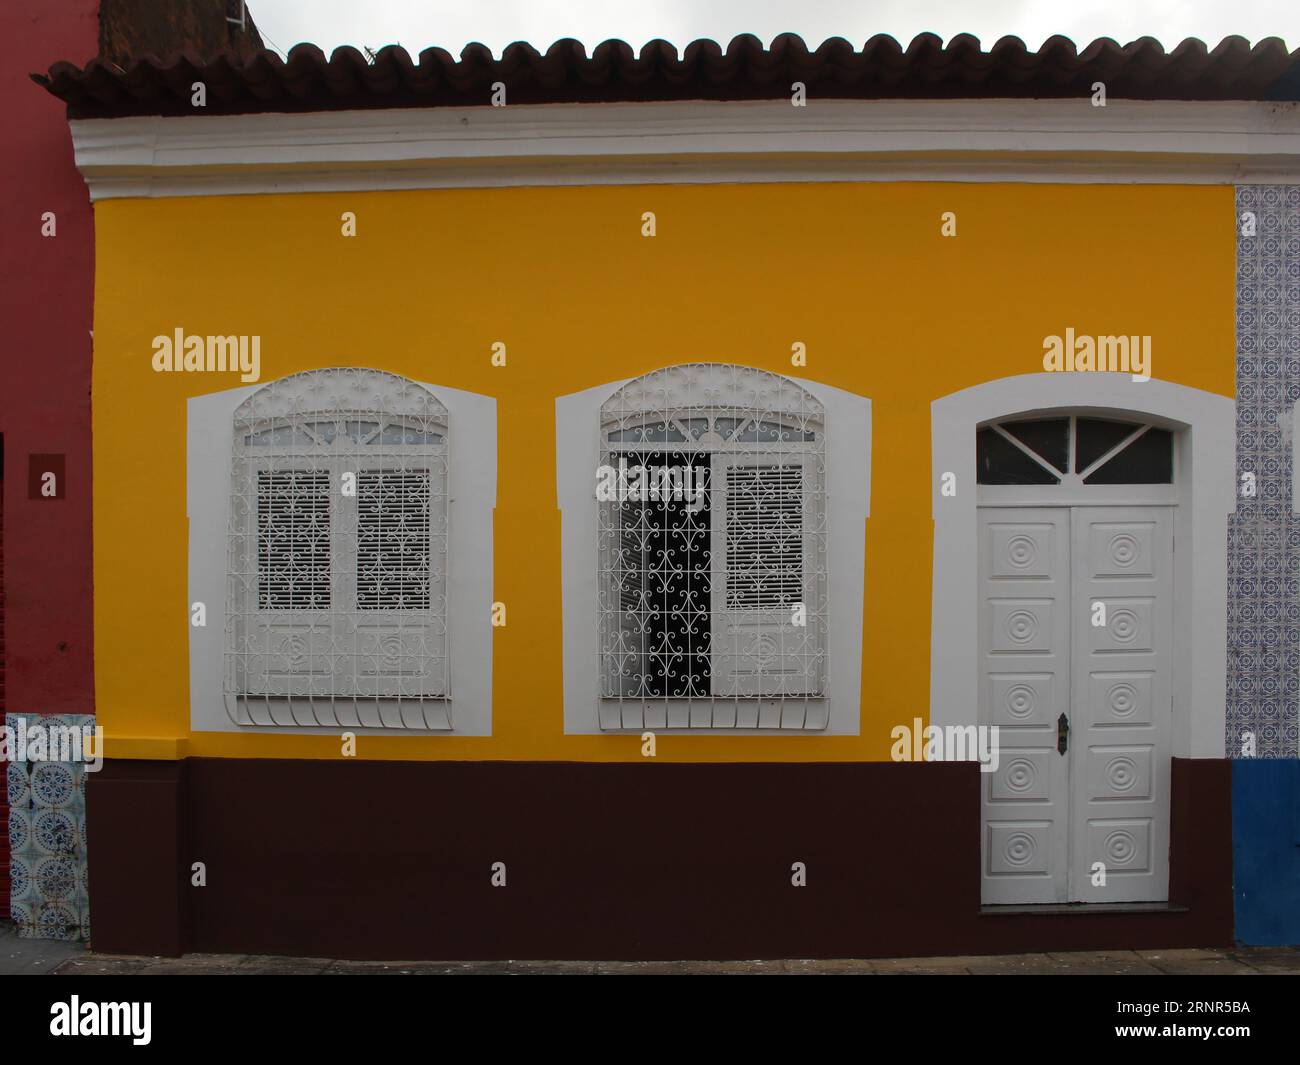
<point>582,421</point>
<point>463,704</point>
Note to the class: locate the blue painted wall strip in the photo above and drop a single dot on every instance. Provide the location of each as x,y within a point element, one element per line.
<point>1265,851</point>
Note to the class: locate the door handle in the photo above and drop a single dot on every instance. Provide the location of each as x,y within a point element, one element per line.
<point>1062,734</point>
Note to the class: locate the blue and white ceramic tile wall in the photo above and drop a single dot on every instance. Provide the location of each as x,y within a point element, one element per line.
<point>47,839</point>
<point>1263,535</point>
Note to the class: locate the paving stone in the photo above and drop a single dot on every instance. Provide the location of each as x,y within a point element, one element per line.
<point>1095,955</point>
<point>458,968</point>
<point>1179,954</point>
<point>1269,959</point>
<point>414,968</point>
<point>190,967</point>
<point>939,963</point>
<point>99,965</point>
<point>530,968</point>
<point>1020,964</point>
<point>256,963</point>
<point>723,968</point>
<point>32,957</point>
<point>811,967</point>
<point>197,964</point>
<point>643,968</point>
<point>1211,966</point>
<point>220,959</point>
<point>655,968</point>
<point>1105,963</point>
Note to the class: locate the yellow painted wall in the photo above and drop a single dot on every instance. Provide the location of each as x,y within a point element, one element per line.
<point>858,272</point>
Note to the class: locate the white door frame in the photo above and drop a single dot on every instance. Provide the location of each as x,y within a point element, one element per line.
<point>1205,425</point>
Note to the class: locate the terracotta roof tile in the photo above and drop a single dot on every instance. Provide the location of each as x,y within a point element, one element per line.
<point>927,69</point>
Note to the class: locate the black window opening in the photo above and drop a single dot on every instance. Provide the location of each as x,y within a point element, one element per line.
<point>1100,451</point>
<point>664,579</point>
<point>999,461</point>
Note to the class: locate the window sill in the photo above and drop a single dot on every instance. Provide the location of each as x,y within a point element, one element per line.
<point>733,715</point>
<point>408,714</point>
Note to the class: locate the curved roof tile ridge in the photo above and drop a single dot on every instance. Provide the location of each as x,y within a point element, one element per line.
<point>742,69</point>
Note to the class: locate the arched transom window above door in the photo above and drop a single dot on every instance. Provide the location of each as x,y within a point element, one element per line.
<point>1074,451</point>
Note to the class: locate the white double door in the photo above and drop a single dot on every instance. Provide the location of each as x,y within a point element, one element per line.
<point>1076,617</point>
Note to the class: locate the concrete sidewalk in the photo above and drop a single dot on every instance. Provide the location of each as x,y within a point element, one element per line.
<point>33,956</point>
<point>46,956</point>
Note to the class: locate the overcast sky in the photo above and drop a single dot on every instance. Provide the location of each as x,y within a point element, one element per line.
<point>451,24</point>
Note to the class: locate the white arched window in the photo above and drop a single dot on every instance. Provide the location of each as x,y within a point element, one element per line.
<point>712,541</point>
<point>336,609</point>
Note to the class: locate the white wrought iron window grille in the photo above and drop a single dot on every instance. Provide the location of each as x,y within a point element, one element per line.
<point>712,538</point>
<point>336,611</point>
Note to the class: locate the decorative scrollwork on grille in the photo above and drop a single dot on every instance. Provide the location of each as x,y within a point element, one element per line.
<point>336,611</point>
<point>712,531</point>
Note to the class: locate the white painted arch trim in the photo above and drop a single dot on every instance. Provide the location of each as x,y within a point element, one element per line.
<point>1127,141</point>
<point>1206,425</point>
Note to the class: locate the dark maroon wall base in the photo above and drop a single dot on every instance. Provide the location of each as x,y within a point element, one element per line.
<point>136,856</point>
<point>659,861</point>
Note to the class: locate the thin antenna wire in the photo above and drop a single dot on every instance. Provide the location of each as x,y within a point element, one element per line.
<point>274,47</point>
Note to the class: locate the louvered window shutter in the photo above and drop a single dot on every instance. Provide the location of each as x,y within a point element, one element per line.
<point>764,578</point>
<point>287,650</point>
<point>293,539</point>
<point>393,540</point>
<point>399,515</point>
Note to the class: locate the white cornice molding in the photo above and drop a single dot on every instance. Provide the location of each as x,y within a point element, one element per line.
<point>692,142</point>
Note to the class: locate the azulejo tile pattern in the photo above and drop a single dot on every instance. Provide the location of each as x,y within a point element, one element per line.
<point>49,893</point>
<point>1263,537</point>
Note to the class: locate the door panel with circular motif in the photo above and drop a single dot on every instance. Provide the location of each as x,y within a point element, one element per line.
<point>1122,704</point>
<point>1025,686</point>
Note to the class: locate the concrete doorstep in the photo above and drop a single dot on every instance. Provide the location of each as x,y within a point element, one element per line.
<point>40,956</point>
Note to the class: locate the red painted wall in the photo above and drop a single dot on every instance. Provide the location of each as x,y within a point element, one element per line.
<point>45,344</point>
<point>4,765</point>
